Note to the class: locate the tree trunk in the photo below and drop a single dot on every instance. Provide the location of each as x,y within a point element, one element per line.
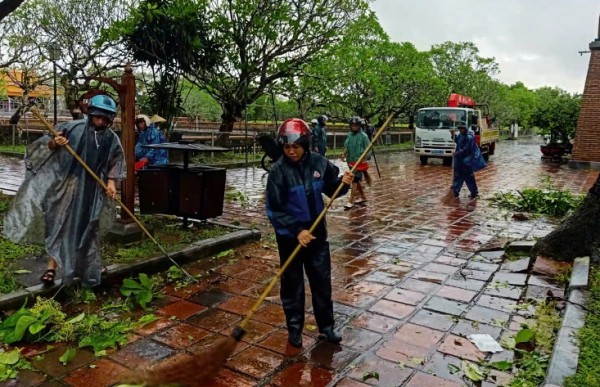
<point>232,113</point>
<point>578,235</point>
<point>71,98</point>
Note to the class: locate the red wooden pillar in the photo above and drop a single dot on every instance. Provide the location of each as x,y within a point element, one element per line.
<point>127,97</point>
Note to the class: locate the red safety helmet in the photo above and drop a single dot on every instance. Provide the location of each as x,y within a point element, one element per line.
<point>294,131</point>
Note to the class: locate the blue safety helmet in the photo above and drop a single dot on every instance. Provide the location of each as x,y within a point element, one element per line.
<point>102,105</point>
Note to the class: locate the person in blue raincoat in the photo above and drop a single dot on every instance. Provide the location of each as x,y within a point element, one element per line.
<point>466,157</point>
<point>294,200</point>
<point>319,136</point>
<point>59,205</point>
<point>148,134</point>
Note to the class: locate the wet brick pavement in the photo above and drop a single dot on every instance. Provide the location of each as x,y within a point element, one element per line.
<point>408,285</point>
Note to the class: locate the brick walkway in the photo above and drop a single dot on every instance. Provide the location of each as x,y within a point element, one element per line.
<point>408,286</point>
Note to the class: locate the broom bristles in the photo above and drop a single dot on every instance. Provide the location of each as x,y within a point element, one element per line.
<point>197,371</point>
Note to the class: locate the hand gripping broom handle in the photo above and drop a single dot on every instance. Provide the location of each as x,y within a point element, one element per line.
<point>37,113</point>
<point>285,265</point>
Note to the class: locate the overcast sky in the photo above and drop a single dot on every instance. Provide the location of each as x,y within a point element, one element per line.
<point>534,41</point>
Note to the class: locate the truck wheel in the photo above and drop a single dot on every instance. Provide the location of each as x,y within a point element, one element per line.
<point>423,160</point>
<point>447,161</point>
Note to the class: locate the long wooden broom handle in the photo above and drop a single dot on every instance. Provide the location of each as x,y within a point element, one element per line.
<point>37,113</point>
<point>288,261</point>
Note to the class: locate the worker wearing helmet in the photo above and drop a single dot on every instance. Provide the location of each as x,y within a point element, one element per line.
<point>294,201</point>
<point>148,134</point>
<point>319,135</point>
<point>59,204</point>
<point>355,144</point>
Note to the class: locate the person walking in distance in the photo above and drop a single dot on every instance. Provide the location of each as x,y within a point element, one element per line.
<point>319,136</point>
<point>355,144</point>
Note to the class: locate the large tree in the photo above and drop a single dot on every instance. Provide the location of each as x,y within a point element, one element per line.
<point>263,42</point>
<point>556,113</point>
<point>77,28</point>
<point>464,71</point>
<point>578,235</point>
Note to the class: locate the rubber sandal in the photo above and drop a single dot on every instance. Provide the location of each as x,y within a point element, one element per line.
<point>348,206</point>
<point>360,201</point>
<point>48,277</point>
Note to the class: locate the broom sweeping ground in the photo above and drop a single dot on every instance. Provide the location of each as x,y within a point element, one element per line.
<point>202,368</point>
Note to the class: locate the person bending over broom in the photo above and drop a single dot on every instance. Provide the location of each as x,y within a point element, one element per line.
<point>59,204</point>
<point>294,202</point>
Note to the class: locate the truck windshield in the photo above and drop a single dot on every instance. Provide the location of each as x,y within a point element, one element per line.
<point>440,119</point>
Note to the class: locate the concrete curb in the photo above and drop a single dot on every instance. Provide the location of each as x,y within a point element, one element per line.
<point>13,154</point>
<point>195,251</point>
<point>565,354</point>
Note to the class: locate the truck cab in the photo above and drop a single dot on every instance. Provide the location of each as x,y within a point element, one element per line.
<point>433,138</point>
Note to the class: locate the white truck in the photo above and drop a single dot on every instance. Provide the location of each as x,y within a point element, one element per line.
<point>433,124</point>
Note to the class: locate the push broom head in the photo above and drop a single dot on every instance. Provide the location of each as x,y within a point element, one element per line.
<point>198,371</point>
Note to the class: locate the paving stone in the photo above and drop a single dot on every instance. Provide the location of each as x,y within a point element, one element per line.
<point>278,342</point>
<point>487,316</point>
<point>476,265</point>
<point>161,323</point>
<point>574,316</point>
<point>541,292</point>
<point>461,347</point>
<point>345,309</point>
<point>26,378</point>
<point>370,288</point>
<point>392,309</point>
<point>384,278</point>
<point>580,274</point>
<point>409,342</point>
<point>256,362</point>
<point>498,303</point>
<point>428,276</point>
<point>353,298</point>
<point>520,246</point>
<point>141,353</point>
<point>492,256</point>
<point>389,373</point>
<point>419,286</point>
<point>347,382</point>
<point>50,364</point>
<point>331,356</point>
<point>211,298</point>
<point>421,379</point>
<point>405,296</point>
<point>255,331</point>
<point>478,274</point>
<point>238,305</point>
<point>512,292</point>
<point>182,309</point>
<point>210,341</point>
<point>451,260</point>
<point>511,278</point>
<point>469,284</point>
<point>549,267</point>
<point>215,320</point>
<point>517,266</point>
<point>563,362</point>
<point>466,328</point>
<point>359,339</point>
<point>180,336</point>
<point>446,306</point>
<point>104,373</point>
<point>442,322</point>
<point>438,365</point>
<point>375,322</point>
<point>303,374</point>
<point>270,314</point>
<point>439,268</point>
<point>229,378</point>
<point>456,293</point>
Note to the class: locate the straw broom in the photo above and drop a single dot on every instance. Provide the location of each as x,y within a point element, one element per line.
<point>202,368</point>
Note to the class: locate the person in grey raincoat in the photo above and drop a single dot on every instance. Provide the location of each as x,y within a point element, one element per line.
<point>60,204</point>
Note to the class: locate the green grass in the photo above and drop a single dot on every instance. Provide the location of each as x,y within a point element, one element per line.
<point>588,371</point>
<point>12,149</point>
